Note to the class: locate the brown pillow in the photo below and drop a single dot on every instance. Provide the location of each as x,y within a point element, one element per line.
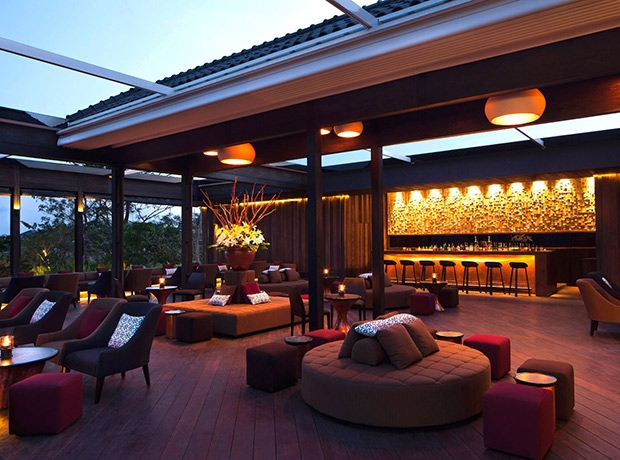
<point>274,276</point>
<point>368,351</point>
<point>292,275</point>
<point>388,281</point>
<point>228,290</point>
<point>422,337</point>
<point>350,339</point>
<point>262,279</point>
<point>387,315</point>
<point>399,346</point>
<point>284,275</point>
<point>367,283</point>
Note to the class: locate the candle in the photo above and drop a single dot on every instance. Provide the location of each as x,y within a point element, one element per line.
<point>434,277</point>
<point>326,271</point>
<point>162,282</point>
<point>341,289</point>
<point>6,346</point>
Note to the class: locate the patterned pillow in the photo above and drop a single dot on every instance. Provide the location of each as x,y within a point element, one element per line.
<point>371,328</point>
<point>274,267</point>
<point>41,311</point>
<point>261,297</point>
<point>125,329</point>
<point>219,300</point>
<point>170,271</point>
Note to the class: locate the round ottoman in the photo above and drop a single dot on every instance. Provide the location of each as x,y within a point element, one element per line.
<point>444,387</point>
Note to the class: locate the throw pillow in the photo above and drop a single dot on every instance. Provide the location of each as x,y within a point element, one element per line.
<point>292,275</point>
<point>229,291</point>
<point>94,317</point>
<point>399,346</point>
<point>388,281</point>
<point>41,311</point>
<point>350,340</point>
<point>261,297</point>
<point>219,300</point>
<point>274,276</point>
<point>283,274</point>
<point>274,267</point>
<point>125,330</point>
<point>250,288</point>
<point>371,328</point>
<point>19,304</point>
<point>170,271</point>
<point>422,337</point>
<point>367,283</point>
<point>262,279</point>
<point>368,351</point>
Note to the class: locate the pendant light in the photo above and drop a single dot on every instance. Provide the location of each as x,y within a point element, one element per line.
<point>515,108</point>
<point>349,130</point>
<point>239,155</point>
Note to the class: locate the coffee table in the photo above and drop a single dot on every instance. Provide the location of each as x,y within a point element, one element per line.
<point>25,362</point>
<point>434,288</point>
<point>161,293</point>
<point>342,304</point>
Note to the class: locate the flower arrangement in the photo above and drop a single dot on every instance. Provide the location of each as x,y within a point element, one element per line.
<point>237,221</point>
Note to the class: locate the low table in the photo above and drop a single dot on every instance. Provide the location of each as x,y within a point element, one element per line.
<point>434,288</point>
<point>342,304</point>
<point>171,322</point>
<point>161,293</point>
<point>25,362</point>
<point>450,336</point>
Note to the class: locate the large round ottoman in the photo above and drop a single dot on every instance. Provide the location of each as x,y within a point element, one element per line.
<point>444,387</point>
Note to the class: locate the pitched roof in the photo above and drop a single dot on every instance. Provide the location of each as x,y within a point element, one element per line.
<point>335,24</point>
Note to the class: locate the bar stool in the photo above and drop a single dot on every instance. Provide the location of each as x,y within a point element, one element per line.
<point>445,264</point>
<point>515,267</point>
<point>426,263</point>
<point>490,267</point>
<point>390,263</point>
<point>467,264</point>
<point>405,264</point>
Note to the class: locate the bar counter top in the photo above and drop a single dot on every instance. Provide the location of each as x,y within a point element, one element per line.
<point>478,252</point>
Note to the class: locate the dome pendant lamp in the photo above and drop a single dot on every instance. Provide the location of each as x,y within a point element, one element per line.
<point>238,155</point>
<point>515,108</point>
<point>349,130</point>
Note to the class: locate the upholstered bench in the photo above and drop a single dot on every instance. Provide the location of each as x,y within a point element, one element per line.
<point>45,403</point>
<point>322,336</point>
<point>449,297</point>
<point>494,347</point>
<point>422,303</point>
<point>518,419</point>
<point>272,366</point>
<point>194,327</point>
<point>564,388</point>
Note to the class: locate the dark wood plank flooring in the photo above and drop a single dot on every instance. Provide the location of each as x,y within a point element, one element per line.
<point>199,406</point>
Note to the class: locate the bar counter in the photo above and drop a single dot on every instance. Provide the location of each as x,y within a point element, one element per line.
<point>541,266</point>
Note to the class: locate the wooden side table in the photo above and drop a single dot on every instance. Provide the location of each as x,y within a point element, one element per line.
<point>303,344</point>
<point>342,304</point>
<point>539,380</point>
<point>450,336</point>
<point>161,293</point>
<point>434,288</point>
<point>171,322</point>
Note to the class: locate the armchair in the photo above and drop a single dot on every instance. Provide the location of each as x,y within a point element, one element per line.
<point>210,271</point>
<point>64,282</point>
<point>85,324</point>
<point>103,287</point>
<point>93,356</point>
<point>298,307</point>
<point>606,284</point>
<point>600,305</point>
<point>31,295</point>
<point>26,332</point>
<point>136,281</point>
<point>17,283</point>
<point>195,286</point>
<point>357,286</point>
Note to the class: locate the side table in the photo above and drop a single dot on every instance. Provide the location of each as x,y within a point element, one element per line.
<point>161,293</point>
<point>342,304</point>
<point>536,379</point>
<point>450,336</point>
<point>434,288</point>
<point>303,344</point>
<point>171,322</point>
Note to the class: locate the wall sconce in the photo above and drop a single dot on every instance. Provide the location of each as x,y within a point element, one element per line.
<point>80,202</point>
<point>515,108</point>
<point>349,130</point>
<point>210,153</point>
<point>325,131</point>
<point>239,155</point>
<point>17,200</point>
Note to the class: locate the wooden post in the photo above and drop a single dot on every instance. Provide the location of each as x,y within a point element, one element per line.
<point>314,228</point>
<point>378,279</point>
<point>206,235</point>
<point>607,192</point>
<point>186,226</point>
<point>15,236</point>
<point>79,231</point>
<point>118,224</point>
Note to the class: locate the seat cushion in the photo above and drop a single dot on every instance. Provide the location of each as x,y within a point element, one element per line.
<point>85,360</point>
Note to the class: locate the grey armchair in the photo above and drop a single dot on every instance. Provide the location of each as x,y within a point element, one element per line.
<point>92,355</point>
<point>103,287</point>
<point>17,283</point>
<point>136,281</point>
<point>195,286</point>
<point>64,282</point>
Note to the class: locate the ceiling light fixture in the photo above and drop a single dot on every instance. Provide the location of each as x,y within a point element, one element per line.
<point>349,130</point>
<point>238,155</point>
<point>210,153</point>
<point>515,108</point>
<point>325,131</point>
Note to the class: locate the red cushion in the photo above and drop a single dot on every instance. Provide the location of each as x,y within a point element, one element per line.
<point>321,336</point>
<point>169,266</point>
<point>161,324</point>
<point>250,288</point>
<point>65,271</point>
<point>494,347</point>
<point>91,321</point>
<point>305,296</point>
<point>19,304</point>
<point>25,273</point>
<point>102,269</point>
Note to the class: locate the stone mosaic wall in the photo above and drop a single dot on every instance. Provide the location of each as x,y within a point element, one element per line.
<point>563,205</point>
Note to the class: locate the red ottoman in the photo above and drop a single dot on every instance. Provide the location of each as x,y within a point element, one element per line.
<point>45,403</point>
<point>518,419</point>
<point>422,303</point>
<point>161,325</point>
<point>322,336</point>
<point>494,347</point>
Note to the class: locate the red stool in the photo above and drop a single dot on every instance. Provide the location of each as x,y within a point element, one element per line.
<point>494,347</point>
<point>45,403</point>
<point>322,336</point>
<point>161,325</point>
<point>422,303</point>
<point>518,419</point>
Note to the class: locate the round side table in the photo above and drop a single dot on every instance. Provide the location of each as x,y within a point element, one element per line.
<point>539,380</point>
<point>171,322</point>
<point>342,304</point>
<point>450,336</point>
<point>303,344</point>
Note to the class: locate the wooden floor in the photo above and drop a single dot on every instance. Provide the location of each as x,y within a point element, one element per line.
<point>199,406</point>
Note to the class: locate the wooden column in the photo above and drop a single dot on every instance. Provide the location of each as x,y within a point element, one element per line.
<point>15,236</point>
<point>206,234</point>
<point>186,226</point>
<point>376,183</point>
<point>79,231</point>
<point>118,223</point>
<point>314,228</point>
<point>607,192</point>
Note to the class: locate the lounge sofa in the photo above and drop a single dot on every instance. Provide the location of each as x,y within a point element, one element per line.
<point>267,281</point>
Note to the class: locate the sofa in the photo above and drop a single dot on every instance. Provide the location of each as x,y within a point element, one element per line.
<point>396,295</point>
<point>267,282</point>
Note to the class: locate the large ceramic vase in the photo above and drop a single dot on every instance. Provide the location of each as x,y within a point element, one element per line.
<point>239,258</point>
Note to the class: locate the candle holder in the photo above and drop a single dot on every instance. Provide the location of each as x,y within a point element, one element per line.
<point>162,283</point>
<point>6,346</point>
<point>341,290</point>
<point>434,277</point>
<point>326,271</point>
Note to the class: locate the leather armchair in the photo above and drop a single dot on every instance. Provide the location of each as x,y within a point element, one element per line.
<point>92,355</point>
<point>600,305</point>
<point>606,284</point>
